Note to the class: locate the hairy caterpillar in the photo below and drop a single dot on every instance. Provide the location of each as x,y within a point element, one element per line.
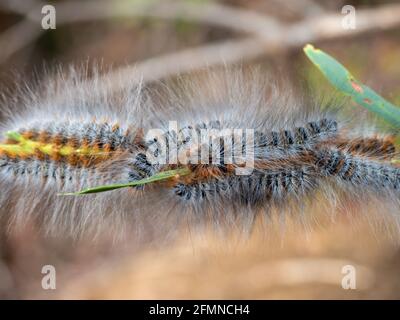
<point>67,138</point>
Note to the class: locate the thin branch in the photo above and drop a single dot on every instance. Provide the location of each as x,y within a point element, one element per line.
<point>236,19</point>
<point>69,12</point>
<point>17,37</point>
<point>23,33</point>
<point>268,36</point>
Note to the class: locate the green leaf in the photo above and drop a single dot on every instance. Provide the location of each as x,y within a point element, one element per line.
<point>342,79</point>
<point>157,177</point>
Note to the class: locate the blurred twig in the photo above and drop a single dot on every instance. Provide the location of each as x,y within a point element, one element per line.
<point>69,12</point>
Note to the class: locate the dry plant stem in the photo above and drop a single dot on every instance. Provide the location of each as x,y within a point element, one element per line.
<point>240,20</point>
<point>77,11</point>
<point>268,35</point>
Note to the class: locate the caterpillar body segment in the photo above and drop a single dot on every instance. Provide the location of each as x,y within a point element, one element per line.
<point>311,133</point>
<point>253,189</point>
<point>63,152</point>
<point>374,147</point>
<point>358,171</point>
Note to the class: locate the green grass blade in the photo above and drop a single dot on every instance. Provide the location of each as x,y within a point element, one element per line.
<point>157,177</point>
<point>14,136</point>
<point>342,79</point>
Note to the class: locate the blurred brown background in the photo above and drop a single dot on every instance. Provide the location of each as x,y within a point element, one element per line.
<point>179,37</point>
